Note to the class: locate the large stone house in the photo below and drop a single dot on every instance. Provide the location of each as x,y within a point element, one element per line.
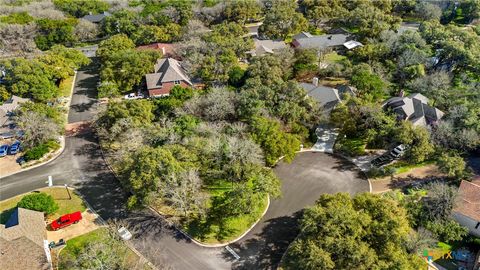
<point>168,73</point>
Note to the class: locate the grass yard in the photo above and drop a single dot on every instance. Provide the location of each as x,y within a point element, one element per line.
<point>403,167</point>
<point>334,57</point>
<point>66,87</point>
<point>351,146</point>
<point>60,196</point>
<point>75,246</point>
<point>206,232</point>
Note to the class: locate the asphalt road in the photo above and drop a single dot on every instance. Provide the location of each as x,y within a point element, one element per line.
<point>81,165</point>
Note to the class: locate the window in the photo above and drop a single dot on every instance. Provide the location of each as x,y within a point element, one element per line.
<point>478,225</point>
<point>176,82</point>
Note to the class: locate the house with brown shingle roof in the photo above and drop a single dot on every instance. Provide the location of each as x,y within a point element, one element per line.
<point>168,73</point>
<point>22,241</point>
<point>467,212</point>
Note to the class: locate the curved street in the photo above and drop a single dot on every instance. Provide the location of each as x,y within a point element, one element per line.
<point>81,165</point>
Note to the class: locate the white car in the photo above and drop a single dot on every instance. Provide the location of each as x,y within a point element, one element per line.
<point>124,233</point>
<point>133,96</point>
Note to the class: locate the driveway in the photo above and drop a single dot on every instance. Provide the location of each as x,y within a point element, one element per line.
<point>326,138</point>
<point>303,181</point>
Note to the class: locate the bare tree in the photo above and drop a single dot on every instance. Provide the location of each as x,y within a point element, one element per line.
<point>441,201</point>
<point>86,30</point>
<point>17,39</point>
<point>37,128</point>
<point>218,105</point>
<point>184,193</point>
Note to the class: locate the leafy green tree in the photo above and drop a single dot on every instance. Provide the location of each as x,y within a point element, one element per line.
<point>305,61</point>
<point>418,141</point>
<point>370,18</point>
<point>30,78</point>
<point>4,94</point>
<point>282,20</point>
<point>147,34</point>
<point>127,68</point>
<point>41,202</point>
<point>121,22</point>
<point>452,164</point>
<point>63,61</point>
<point>236,76</point>
<point>275,142</point>
<point>372,235</point>
<point>55,32</point>
<point>80,8</point>
<point>447,230</point>
<point>242,11</point>
<point>17,18</point>
<point>369,84</point>
<point>322,10</point>
<point>114,44</point>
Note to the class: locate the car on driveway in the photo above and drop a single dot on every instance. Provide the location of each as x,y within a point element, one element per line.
<point>3,150</point>
<point>14,148</point>
<point>66,220</point>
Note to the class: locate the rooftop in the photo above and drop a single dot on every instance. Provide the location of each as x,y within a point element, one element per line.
<point>166,70</point>
<point>22,241</point>
<point>414,108</point>
<point>319,42</point>
<point>469,203</point>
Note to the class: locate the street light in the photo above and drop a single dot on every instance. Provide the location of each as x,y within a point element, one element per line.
<point>68,191</point>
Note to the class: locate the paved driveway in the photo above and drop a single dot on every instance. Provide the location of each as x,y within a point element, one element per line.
<point>303,181</point>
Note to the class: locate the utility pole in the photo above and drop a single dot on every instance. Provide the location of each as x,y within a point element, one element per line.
<point>68,191</point>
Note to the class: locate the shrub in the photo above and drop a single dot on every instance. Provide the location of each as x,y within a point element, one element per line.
<point>40,150</point>
<point>39,202</point>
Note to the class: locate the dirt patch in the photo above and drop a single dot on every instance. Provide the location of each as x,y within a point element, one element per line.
<point>420,174</point>
<point>89,222</point>
<point>77,128</point>
<point>9,165</point>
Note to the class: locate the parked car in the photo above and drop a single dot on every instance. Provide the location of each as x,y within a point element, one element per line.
<point>66,220</point>
<point>14,148</point>
<point>134,96</point>
<point>3,150</point>
<point>386,158</point>
<point>124,233</point>
<point>7,135</point>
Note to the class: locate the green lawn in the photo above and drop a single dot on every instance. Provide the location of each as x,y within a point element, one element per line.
<point>351,146</point>
<point>207,232</point>
<point>66,87</point>
<point>403,167</point>
<point>59,194</point>
<point>75,246</point>
<point>334,57</point>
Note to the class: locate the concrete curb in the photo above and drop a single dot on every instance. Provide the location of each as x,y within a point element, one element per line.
<point>62,138</point>
<point>55,154</point>
<point>185,233</point>
<point>215,245</point>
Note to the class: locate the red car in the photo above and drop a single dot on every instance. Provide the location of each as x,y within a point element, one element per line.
<point>66,220</point>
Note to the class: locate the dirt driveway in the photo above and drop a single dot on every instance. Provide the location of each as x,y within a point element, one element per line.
<point>89,222</point>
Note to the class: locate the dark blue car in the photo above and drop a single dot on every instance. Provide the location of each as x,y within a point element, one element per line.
<point>3,150</point>
<point>14,148</point>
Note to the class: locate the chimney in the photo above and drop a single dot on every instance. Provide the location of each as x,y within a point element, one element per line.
<point>163,51</point>
<point>315,81</point>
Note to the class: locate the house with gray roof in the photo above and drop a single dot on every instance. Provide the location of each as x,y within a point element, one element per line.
<point>96,18</point>
<point>168,73</point>
<point>22,241</point>
<point>266,46</point>
<point>305,40</point>
<point>415,109</point>
<point>327,97</point>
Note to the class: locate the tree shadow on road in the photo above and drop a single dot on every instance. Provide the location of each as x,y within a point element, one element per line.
<point>266,249</point>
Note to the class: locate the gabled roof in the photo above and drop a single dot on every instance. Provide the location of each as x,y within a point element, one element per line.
<point>167,49</point>
<point>263,46</point>
<point>96,18</point>
<point>166,70</point>
<point>414,108</point>
<point>327,97</point>
<point>469,203</point>
<point>22,241</point>
<point>320,42</point>
<point>302,35</point>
